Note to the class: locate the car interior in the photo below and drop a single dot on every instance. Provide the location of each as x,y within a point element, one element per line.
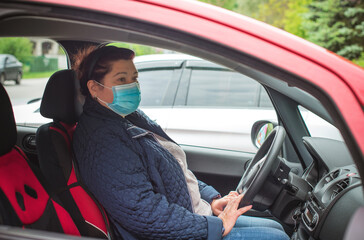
<point>309,184</point>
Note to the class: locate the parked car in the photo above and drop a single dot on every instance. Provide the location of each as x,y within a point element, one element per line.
<point>10,69</point>
<point>172,87</point>
<point>312,185</point>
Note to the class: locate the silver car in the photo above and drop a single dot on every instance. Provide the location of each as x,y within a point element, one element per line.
<point>220,116</point>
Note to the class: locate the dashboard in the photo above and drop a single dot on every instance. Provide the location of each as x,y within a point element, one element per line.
<point>335,191</point>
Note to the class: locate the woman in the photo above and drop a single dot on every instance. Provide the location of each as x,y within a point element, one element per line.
<point>136,171</point>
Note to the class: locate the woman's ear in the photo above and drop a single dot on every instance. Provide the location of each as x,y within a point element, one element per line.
<point>92,88</point>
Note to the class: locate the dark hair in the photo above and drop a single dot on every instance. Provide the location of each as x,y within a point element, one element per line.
<point>95,62</point>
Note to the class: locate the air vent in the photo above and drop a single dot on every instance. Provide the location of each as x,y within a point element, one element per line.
<point>340,186</point>
<point>335,174</point>
<point>331,176</point>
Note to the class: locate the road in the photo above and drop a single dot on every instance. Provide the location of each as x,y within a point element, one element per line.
<point>27,90</point>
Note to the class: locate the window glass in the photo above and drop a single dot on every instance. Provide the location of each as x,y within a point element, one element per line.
<point>213,88</point>
<point>11,59</point>
<point>153,86</point>
<point>264,100</point>
<point>318,127</point>
<point>39,62</point>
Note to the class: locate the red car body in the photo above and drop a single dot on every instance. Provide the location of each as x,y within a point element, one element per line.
<point>242,42</point>
<point>332,79</point>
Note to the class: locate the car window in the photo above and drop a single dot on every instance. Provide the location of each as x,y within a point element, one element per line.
<point>39,62</point>
<point>318,127</point>
<point>264,100</point>
<point>154,85</point>
<point>11,59</point>
<point>216,108</point>
<point>211,88</point>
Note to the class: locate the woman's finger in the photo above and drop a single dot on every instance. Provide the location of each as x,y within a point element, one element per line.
<point>243,210</point>
<point>233,193</point>
<point>233,204</point>
<point>237,200</point>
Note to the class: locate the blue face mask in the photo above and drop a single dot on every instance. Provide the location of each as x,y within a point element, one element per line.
<point>126,98</point>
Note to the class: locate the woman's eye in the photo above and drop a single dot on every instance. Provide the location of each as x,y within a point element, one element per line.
<point>122,79</point>
<point>135,79</point>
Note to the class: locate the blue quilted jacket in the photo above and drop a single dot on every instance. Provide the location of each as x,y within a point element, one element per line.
<point>139,183</point>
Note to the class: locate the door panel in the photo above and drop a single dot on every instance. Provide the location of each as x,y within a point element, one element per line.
<point>158,83</point>
<point>7,69</point>
<point>221,169</point>
<point>11,66</point>
<point>216,128</point>
<point>26,141</point>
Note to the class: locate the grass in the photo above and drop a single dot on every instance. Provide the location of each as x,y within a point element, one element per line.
<point>37,74</point>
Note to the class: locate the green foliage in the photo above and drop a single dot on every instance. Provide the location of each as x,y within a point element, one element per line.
<point>250,8</point>
<point>37,74</point>
<point>273,12</point>
<point>138,49</point>
<point>337,25</point>
<point>21,48</point>
<point>227,4</point>
<point>294,17</point>
<point>284,14</point>
<point>42,64</point>
<point>360,60</point>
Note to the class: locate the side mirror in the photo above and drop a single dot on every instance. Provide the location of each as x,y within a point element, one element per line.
<point>260,131</point>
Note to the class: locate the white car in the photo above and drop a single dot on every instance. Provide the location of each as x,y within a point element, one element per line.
<point>191,113</point>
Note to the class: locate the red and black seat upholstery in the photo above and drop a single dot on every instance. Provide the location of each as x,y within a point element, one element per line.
<point>61,103</point>
<point>24,201</point>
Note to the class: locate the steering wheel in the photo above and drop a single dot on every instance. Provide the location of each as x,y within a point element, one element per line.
<point>263,163</point>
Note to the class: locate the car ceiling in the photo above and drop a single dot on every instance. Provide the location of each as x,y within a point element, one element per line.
<point>59,24</point>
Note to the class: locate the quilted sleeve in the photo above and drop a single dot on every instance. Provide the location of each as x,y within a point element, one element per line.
<point>120,182</point>
<point>208,193</point>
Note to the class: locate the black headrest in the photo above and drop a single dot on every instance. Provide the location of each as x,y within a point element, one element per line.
<point>61,99</point>
<point>7,123</point>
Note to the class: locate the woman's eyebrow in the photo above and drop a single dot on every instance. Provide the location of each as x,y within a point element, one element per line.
<point>136,73</point>
<point>120,73</point>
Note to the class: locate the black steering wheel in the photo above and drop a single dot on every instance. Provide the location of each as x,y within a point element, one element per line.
<point>261,166</point>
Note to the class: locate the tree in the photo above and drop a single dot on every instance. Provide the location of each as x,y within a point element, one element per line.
<point>269,11</point>
<point>227,4</point>
<point>284,14</point>
<point>337,25</point>
<point>250,8</point>
<point>21,48</point>
<point>273,12</point>
<point>295,16</point>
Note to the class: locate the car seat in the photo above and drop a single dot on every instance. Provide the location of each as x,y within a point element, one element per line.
<point>61,103</point>
<point>24,201</point>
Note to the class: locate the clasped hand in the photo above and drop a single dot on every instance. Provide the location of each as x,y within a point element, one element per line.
<point>226,209</point>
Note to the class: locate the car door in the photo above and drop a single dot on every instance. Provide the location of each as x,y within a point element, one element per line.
<point>11,67</point>
<point>212,118</point>
<point>7,69</point>
<point>158,81</point>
